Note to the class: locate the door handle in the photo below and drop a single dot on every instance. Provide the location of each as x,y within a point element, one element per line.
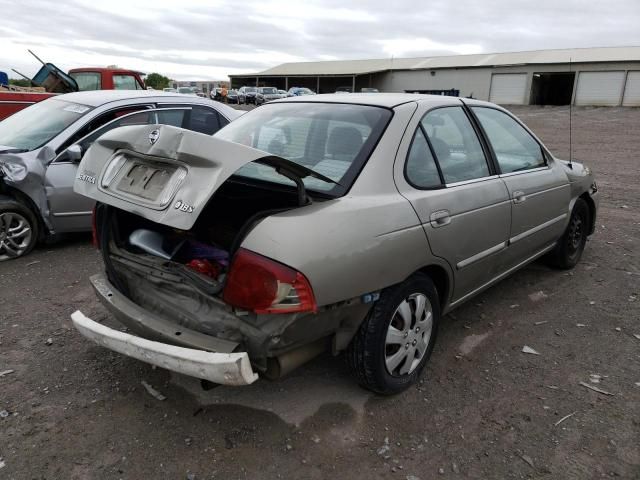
<point>519,196</point>
<point>440,218</point>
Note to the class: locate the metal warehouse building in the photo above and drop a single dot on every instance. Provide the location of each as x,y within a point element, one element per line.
<point>586,76</point>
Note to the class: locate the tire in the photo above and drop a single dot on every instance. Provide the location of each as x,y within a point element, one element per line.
<point>390,349</point>
<point>569,248</point>
<point>18,229</point>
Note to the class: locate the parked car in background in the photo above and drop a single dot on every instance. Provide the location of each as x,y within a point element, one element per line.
<point>300,91</point>
<point>266,94</point>
<point>169,90</point>
<point>283,93</point>
<point>369,90</point>
<point>187,91</point>
<point>344,90</point>
<point>232,97</point>
<point>41,146</point>
<point>247,95</point>
<point>337,222</point>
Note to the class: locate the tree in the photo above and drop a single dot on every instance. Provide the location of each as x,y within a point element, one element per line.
<point>157,81</point>
<point>19,82</point>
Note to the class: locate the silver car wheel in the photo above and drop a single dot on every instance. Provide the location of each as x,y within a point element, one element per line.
<point>408,334</point>
<point>15,235</point>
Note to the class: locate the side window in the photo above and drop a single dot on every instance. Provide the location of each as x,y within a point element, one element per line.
<point>514,147</point>
<point>175,118</point>
<point>140,118</point>
<point>125,82</point>
<point>421,169</point>
<point>88,81</point>
<point>95,124</point>
<point>455,144</point>
<point>204,120</point>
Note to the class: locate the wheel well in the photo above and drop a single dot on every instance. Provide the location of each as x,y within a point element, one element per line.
<point>592,211</point>
<point>17,195</point>
<point>440,279</point>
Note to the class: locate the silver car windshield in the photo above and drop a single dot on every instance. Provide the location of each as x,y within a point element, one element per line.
<point>334,140</point>
<point>36,125</point>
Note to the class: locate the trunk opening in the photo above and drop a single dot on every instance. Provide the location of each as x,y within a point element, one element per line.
<point>201,255</point>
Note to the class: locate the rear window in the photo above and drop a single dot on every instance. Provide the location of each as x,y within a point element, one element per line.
<point>87,80</point>
<point>334,140</point>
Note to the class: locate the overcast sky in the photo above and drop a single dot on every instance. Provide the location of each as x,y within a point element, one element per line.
<point>210,39</point>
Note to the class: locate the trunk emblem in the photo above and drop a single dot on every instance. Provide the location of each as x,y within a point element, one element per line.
<point>154,136</point>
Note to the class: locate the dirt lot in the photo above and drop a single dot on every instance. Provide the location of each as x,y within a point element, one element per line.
<point>483,410</point>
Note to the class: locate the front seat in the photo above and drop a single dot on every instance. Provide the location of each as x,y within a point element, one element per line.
<point>344,143</point>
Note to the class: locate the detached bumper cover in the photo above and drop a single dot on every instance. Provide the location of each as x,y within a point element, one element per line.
<point>222,368</point>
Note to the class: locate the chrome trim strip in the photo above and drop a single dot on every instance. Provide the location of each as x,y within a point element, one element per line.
<point>537,169</point>
<point>71,214</point>
<point>473,180</point>
<point>502,275</point>
<point>536,229</point>
<point>481,255</point>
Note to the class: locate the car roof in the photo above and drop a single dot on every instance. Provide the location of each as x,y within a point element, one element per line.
<point>387,100</point>
<point>97,98</point>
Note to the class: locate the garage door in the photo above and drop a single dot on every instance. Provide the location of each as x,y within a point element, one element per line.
<point>632,90</point>
<point>599,88</point>
<point>508,88</point>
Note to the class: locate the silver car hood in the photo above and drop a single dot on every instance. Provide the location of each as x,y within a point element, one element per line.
<point>177,171</point>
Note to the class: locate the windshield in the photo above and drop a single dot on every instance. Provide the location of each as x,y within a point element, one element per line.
<point>34,126</point>
<point>185,90</point>
<point>269,90</point>
<point>250,89</point>
<point>334,140</point>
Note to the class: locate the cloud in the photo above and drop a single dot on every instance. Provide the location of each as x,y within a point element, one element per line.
<point>211,39</point>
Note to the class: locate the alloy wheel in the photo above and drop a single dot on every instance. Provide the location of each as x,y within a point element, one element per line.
<point>408,335</point>
<point>15,235</point>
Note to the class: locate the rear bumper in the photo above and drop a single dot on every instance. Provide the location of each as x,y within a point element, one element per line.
<point>222,368</point>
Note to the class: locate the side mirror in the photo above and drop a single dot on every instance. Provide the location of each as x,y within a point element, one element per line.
<point>74,153</point>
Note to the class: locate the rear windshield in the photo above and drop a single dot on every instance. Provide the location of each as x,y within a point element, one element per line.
<point>269,90</point>
<point>334,140</point>
<point>34,126</point>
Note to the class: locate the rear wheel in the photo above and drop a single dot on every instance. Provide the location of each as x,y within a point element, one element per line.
<point>394,343</point>
<point>18,230</point>
<point>569,249</point>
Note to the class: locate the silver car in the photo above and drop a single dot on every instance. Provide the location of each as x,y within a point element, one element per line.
<point>338,222</point>
<point>41,146</point>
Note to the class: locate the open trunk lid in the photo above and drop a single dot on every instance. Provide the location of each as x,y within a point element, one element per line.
<point>167,174</point>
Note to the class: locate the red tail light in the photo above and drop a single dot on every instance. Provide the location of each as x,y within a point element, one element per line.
<point>263,285</point>
<point>94,229</point>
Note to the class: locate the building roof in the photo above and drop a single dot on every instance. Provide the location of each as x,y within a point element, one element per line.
<point>359,67</point>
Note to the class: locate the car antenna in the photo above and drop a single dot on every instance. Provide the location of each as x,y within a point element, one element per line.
<point>570,123</point>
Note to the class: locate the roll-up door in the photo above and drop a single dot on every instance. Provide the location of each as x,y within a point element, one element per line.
<point>508,88</point>
<point>632,90</point>
<point>599,88</point>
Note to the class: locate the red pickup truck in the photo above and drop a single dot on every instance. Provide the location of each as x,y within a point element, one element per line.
<point>77,80</point>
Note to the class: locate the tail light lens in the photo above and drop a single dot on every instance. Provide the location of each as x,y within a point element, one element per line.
<point>95,240</point>
<point>263,285</point>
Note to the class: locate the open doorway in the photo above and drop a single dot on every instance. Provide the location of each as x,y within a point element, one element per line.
<point>552,88</point>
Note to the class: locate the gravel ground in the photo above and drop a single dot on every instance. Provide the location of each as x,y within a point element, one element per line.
<point>484,409</point>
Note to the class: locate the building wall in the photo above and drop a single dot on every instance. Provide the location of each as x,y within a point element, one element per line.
<point>477,81</point>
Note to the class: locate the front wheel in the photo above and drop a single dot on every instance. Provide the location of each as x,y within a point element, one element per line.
<point>568,251</point>
<point>18,230</point>
<point>394,343</point>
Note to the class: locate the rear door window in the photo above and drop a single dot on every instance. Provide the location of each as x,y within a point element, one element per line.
<point>455,144</point>
<point>204,120</point>
<point>514,147</point>
<point>421,169</point>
